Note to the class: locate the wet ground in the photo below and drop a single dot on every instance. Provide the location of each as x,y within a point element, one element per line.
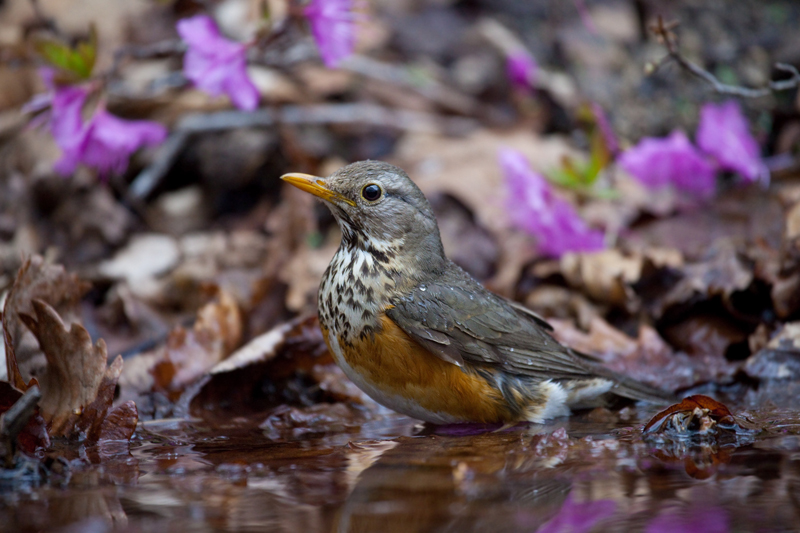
<point>592,472</point>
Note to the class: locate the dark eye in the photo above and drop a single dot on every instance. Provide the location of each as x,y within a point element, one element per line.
<point>371,192</point>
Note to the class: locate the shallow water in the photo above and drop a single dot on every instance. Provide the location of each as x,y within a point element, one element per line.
<point>591,472</point>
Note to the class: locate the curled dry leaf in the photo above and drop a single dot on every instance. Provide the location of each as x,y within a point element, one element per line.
<point>278,367</point>
<point>191,353</point>
<point>699,431</point>
<point>75,367</point>
<point>77,388</point>
<point>697,414</point>
<point>48,283</point>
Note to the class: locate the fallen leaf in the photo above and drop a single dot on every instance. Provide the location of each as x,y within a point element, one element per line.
<point>50,284</point>
<point>722,274</point>
<point>146,256</point>
<point>191,353</point>
<point>605,276</point>
<point>120,423</point>
<point>273,369</point>
<point>729,217</point>
<point>74,373</point>
<point>707,334</point>
<point>698,413</point>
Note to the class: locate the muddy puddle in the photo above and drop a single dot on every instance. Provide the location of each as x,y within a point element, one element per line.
<point>591,472</point>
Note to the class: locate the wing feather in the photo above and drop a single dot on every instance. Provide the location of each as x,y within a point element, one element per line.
<point>458,320</point>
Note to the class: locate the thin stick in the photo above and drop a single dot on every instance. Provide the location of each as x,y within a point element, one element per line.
<point>664,33</point>
<point>356,113</point>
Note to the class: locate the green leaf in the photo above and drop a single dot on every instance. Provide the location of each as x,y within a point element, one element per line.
<point>77,62</point>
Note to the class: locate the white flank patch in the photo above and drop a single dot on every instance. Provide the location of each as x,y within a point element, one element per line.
<point>555,404</point>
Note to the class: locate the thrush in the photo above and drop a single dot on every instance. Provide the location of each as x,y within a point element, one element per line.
<point>420,335</point>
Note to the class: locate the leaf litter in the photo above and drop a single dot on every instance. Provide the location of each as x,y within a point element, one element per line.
<point>207,286</point>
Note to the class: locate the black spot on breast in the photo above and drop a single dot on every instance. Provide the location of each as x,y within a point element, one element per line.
<point>366,331</point>
<point>365,269</point>
<point>379,256</point>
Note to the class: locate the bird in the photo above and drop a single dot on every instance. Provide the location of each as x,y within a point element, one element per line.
<point>421,336</point>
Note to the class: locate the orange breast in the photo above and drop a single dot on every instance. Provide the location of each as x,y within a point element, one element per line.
<point>394,363</point>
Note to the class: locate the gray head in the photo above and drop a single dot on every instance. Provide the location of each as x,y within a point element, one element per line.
<point>379,209</point>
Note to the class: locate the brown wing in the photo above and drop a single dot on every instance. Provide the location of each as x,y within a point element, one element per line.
<point>457,319</point>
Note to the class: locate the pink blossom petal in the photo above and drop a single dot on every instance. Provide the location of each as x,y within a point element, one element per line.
<point>66,126</point>
<point>333,27</point>
<point>215,64</point>
<point>534,208</point>
<point>521,69</point>
<point>110,141</point>
<point>670,161</point>
<point>723,132</point>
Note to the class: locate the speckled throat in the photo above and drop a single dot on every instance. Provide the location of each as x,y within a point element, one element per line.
<point>356,287</point>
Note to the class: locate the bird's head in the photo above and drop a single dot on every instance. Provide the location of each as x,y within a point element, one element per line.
<point>378,207</point>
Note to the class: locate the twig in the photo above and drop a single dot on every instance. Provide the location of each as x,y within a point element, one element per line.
<point>148,179</point>
<point>355,113</point>
<point>665,35</point>
<point>358,113</point>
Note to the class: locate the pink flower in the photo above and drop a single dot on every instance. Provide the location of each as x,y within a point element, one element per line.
<point>333,26</point>
<point>66,125</point>
<point>521,69</point>
<point>724,134</point>
<point>104,143</point>
<point>215,64</point>
<point>109,141</point>
<point>670,161</point>
<point>534,208</point>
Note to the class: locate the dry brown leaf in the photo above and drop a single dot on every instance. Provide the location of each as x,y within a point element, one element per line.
<point>191,353</point>
<point>120,423</point>
<point>277,359</point>
<point>51,284</point>
<point>722,274</point>
<point>75,368</point>
<point>605,276</point>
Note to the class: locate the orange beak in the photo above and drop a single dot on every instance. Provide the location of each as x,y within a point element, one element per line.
<point>316,186</point>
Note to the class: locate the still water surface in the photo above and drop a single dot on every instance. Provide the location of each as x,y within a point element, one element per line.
<point>591,472</point>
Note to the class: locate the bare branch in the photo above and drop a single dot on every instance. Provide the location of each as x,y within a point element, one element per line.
<point>355,113</point>
<point>665,35</point>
